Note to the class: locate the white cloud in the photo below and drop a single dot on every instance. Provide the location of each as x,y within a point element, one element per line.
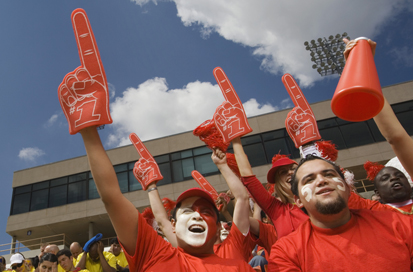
<point>143,2</point>
<point>52,120</point>
<point>277,29</point>
<point>252,108</point>
<point>152,110</point>
<point>403,55</point>
<point>30,153</point>
<point>112,90</point>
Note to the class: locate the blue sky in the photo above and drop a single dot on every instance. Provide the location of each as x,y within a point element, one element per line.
<point>159,57</point>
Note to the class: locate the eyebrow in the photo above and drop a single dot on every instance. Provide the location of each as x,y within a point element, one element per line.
<point>323,171</point>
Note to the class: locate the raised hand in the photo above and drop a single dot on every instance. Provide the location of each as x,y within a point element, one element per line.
<point>83,93</point>
<point>230,118</point>
<point>146,170</point>
<point>300,123</point>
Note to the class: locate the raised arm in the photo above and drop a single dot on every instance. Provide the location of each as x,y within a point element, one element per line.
<point>396,136</point>
<point>242,159</point>
<point>161,215</point>
<point>122,212</point>
<point>241,209</point>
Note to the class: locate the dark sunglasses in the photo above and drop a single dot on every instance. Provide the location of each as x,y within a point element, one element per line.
<point>17,266</point>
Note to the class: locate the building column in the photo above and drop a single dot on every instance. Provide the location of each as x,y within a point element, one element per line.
<point>13,245</point>
<point>91,230</point>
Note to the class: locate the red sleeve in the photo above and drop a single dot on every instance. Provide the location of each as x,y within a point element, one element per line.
<point>357,202</point>
<point>149,247</point>
<point>236,246</point>
<point>268,236</point>
<point>264,199</point>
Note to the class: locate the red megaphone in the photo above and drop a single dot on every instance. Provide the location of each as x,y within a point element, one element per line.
<point>358,96</point>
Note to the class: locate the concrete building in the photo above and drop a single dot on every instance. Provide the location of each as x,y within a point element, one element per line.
<point>61,198</point>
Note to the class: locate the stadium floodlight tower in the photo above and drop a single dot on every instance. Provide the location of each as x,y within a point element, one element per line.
<point>327,54</point>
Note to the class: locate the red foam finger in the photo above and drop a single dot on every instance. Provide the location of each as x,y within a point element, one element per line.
<point>204,184</point>
<point>226,87</point>
<point>140,147</point>
<point>295,92</point>
<point>86,43</point>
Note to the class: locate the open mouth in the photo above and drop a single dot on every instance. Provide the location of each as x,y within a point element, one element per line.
<point>196,229</point>
<point>397,185</point>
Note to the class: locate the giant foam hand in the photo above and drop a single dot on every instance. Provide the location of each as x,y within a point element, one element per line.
<point>301,124</point>
<point>83,93</point>
<point>230,118</point>
<point>205,185</point>
<point>146,170</point>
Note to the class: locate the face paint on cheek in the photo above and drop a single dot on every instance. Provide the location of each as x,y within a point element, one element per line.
<point>307,190</point>
<point>199,206</point>
<point>340,187</point>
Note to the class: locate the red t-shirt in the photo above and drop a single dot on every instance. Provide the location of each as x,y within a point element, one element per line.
<point>153,253</point>
<point>236,246</point>
<point>370,241</point>
<point>408,209</point>
<point>285,217</point>
<point>268,237</point>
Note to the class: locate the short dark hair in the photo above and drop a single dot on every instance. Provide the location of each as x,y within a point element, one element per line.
<point>48,257</point>
<point>64,252</point>
<point>114,241</point>
<point>294,181</point>
<point>178,205</point>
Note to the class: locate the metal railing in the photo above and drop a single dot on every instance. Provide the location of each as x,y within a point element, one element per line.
<point>19,246</point>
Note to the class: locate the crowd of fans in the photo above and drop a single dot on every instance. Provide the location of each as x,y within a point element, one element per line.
<point>309,217</point>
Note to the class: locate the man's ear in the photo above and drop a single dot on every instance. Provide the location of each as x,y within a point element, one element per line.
<point>173,223</point>
<point>376,192</point>
<point>298,202</point>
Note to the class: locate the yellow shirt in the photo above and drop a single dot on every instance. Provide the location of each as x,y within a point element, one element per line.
<point>121,259</point>
<point>96,266</point>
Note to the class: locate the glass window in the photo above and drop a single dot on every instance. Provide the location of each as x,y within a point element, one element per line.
<point>22,189</point>
<point>406,120</point>
<point>375,131</point>
<point>58,181</point>
<point>41,185</point>
<point>40,200</point>
<point>21,203</point>
<point>256,154</point>
<point>121,167</point>
<point>166,173</point>
<point>182,169</point>
<point>134,184</point>
<point>161,159</point>
<point>58,196</point>
<point>356,134</point>
<point>326,123</point>
<point>275,147</point>
<point>294,152</point>
<point>333,134</point>
<point>205,165</point>
<point>186,154</point>
<point>202,150</point>
<point>176,156</point>
<point>273,135</point>
<point>123,181</point>
<point>342,122</point>
<point>77,177</point>
<point>251,140</point>
<point>406,106</point>
<point>77,192</point>
<point>93,191</point>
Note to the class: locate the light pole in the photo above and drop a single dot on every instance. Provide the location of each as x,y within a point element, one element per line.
<point>327,54</point>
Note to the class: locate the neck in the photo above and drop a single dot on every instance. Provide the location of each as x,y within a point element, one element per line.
<point>332,220</point>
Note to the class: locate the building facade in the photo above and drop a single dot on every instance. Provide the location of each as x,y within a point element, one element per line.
<point>61,197</point>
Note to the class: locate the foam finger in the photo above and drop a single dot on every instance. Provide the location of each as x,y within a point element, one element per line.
<point>295,92</point>
<point>86,43</point>
<point>140,147</point>
<point>226,87</point>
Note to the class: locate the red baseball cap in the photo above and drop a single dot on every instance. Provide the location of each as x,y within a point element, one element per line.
<point>277,164</point>
<point>196,192</point>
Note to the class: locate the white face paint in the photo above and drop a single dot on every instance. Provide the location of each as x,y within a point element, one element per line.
<point>340,187</point>
<point>190,226</point>
<point>307,190</point>
<point>223,234</point>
